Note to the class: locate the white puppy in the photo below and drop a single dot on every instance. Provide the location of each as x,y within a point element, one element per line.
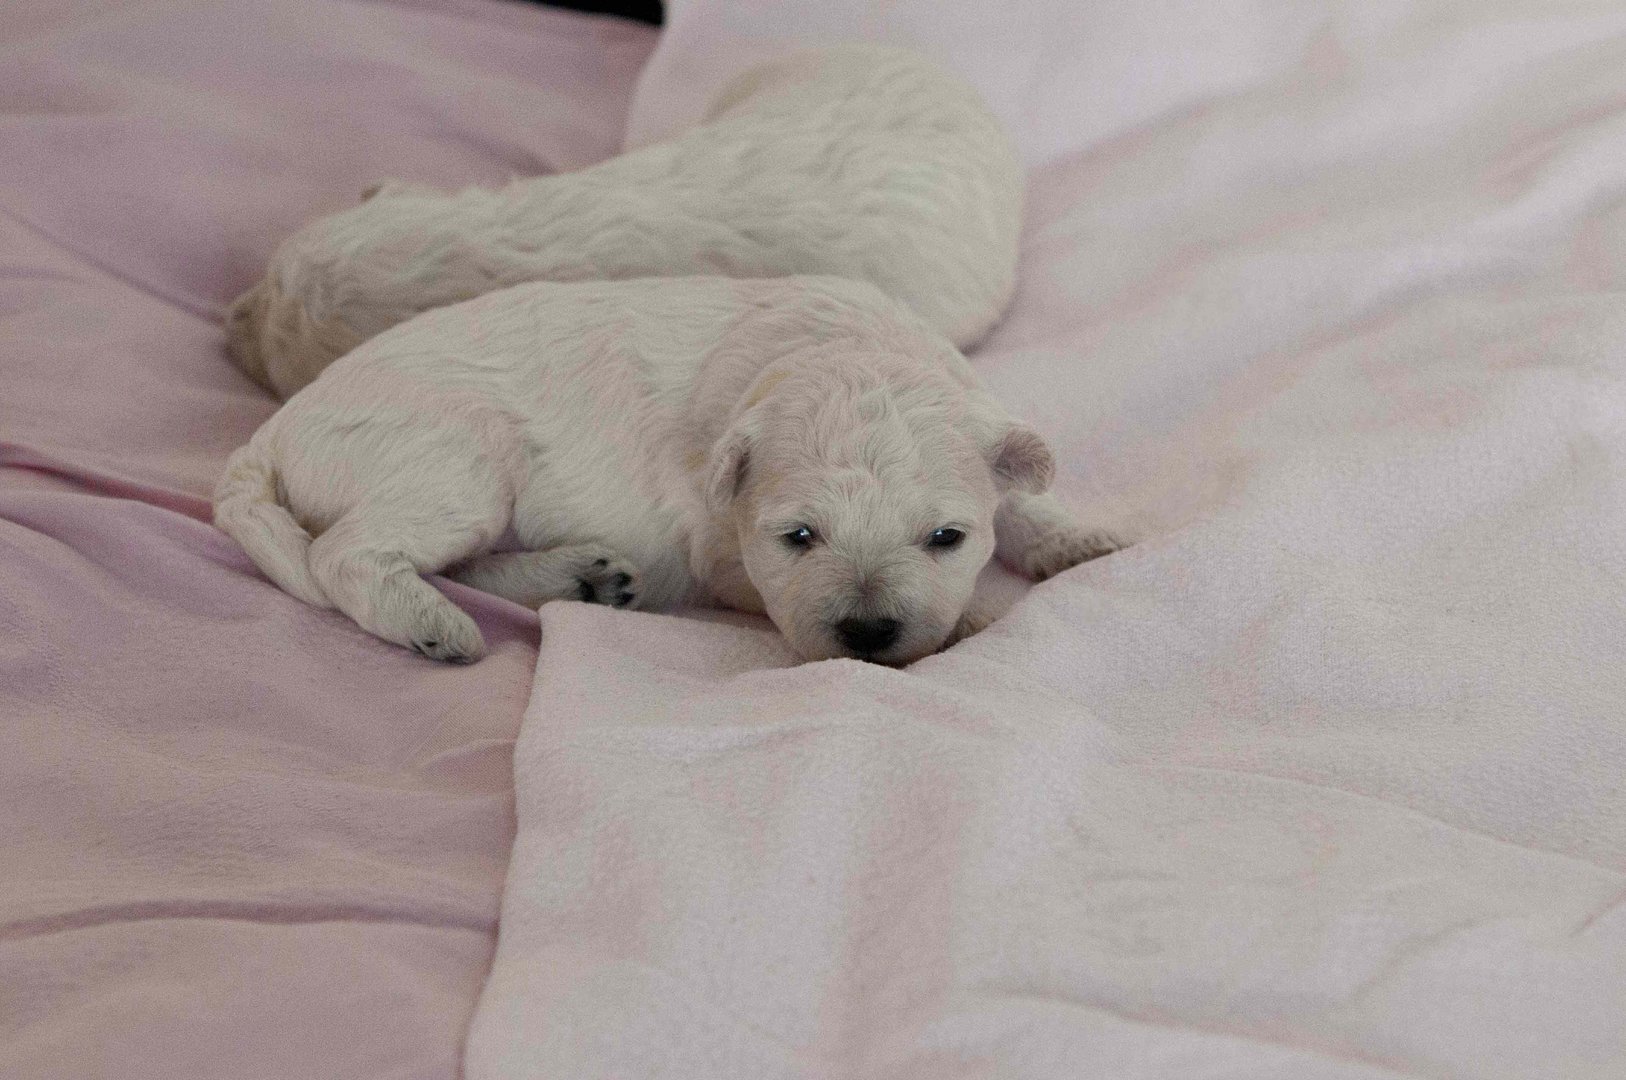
<point>803,446</point>
<point>862,161</point>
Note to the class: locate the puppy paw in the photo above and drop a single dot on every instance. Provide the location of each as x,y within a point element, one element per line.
<point>974,621</point>
<point>606,578</point>
<point>1064,549</point>
<point>445,633</point>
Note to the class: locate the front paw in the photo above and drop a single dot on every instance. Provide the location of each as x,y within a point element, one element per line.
<point>1064,549</point>
<point>607,579</point>
<point>974,621</point>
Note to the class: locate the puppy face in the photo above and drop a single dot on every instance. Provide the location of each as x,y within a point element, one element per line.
<point>862,495</point>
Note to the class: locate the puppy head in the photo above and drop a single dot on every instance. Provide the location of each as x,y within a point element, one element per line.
<point>862,492</point>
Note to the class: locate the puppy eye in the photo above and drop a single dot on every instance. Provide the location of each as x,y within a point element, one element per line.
<point>800,537</point>
<point>945,538</point>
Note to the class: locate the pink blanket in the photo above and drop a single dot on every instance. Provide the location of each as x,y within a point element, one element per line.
<point>240,837</point>
<point>1323,780</point>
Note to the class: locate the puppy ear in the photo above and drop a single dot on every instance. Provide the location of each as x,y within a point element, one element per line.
<point>730,461</point>
<point>1021,461</point>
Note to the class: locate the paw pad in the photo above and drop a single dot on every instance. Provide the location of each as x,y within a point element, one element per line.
<point>610,581</point>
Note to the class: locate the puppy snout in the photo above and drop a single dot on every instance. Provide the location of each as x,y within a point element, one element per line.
<point>868,635</point>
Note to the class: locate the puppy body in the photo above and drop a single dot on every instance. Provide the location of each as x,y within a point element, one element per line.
<point>650,443</point>
<point>866,162</point>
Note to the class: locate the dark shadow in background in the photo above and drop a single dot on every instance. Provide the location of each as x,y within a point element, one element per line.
<point>644,11</point>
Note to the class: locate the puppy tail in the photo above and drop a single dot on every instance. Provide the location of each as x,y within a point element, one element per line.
<point>247,510</point>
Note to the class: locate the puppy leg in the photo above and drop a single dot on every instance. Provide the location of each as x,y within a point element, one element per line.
<point>369,564</point>
<point>589,572</point>
<point>1036,537</point>
<point>978,615</point>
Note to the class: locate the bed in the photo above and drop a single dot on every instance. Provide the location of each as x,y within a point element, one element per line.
<point>1320,302</point>
<point>239,839</point>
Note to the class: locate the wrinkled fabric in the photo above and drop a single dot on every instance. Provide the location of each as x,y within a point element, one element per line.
<point>1323,304</point>
<point>242,838</point>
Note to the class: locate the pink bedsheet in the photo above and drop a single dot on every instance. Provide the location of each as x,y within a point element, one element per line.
<point>238,837</point>
<point>1325,300</point>
<point>1321,298</point>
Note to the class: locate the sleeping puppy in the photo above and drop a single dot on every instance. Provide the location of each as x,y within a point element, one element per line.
<point>861,161</point>
<point>801,446</point>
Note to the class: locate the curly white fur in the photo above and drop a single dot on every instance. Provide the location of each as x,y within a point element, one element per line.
<point>861,161</point>
<point>650,442</point>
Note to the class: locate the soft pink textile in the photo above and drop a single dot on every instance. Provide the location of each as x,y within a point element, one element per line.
<point>241,838</point>
<point>1324,778</point>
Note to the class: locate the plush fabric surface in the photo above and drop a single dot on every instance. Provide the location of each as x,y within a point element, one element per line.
<point>241,837</point>
<point>1322,779</point>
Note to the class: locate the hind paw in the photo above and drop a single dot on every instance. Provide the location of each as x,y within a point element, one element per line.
<point>449,636</point>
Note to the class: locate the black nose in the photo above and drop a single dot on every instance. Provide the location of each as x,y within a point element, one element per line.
<point>868,635</point>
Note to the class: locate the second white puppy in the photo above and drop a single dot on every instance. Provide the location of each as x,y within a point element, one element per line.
<point>802,446</point>
<point>862,161</point>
